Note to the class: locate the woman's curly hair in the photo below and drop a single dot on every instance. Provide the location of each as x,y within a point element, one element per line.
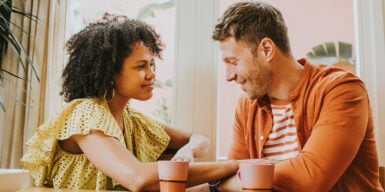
<point>97,52</point>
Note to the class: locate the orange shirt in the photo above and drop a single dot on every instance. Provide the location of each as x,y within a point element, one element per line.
<point>335,129</point>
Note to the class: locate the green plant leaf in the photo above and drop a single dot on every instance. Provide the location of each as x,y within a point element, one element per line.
<point>8,39</point>
<point>26,57</point>
<point>14,46</point>
<point>9,93</point>
<point>9,73</point>
<point>168,83</point>
<point>345,50</point>
<point>5,18</point>
<point>331,49</point>
<point>2,2</point>
<point>149,10</point>
<point>331,52</point>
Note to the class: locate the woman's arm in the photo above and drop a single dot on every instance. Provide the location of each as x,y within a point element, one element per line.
<point>203,172</point>
<point>189,145</point>
<point>114,160</point>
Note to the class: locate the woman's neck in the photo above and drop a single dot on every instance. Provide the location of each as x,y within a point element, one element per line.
<point>117,107</point>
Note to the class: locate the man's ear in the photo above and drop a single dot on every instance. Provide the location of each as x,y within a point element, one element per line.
<point>268,48</point>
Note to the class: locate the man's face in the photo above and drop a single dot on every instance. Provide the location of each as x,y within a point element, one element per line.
<point>249,70</point>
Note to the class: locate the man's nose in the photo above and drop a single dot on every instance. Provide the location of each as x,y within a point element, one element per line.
<point>230,74</point>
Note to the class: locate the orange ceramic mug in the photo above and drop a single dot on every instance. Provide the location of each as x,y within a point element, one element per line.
<point>256,175</point>
<point>173,175</point>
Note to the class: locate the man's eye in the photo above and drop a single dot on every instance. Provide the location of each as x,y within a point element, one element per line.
<point>234,63</point>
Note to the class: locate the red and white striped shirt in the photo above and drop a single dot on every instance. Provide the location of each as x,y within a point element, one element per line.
<point>282,142</point>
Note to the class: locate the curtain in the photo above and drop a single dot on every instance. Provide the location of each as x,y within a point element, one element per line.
<point>25,100</point>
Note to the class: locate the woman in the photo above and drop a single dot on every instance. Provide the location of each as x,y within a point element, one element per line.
<point>96,141</point>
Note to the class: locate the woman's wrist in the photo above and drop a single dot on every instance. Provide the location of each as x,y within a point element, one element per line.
<point>199,145</point>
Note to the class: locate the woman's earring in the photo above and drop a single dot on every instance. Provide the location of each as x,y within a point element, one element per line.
<point>113,95</point>
<point>109,97</point>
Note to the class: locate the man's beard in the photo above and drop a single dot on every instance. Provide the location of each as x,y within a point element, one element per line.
<point>259,82</point>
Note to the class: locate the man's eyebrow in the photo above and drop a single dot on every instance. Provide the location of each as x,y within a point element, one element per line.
<point>229,59</point>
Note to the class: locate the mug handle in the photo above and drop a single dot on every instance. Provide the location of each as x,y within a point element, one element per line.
<point>239,174</point>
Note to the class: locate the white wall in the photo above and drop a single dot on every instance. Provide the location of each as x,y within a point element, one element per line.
<point>195,76</point>
<point>371,61</point>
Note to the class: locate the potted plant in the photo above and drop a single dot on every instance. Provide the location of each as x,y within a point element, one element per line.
<point>9,42</point>
<point>339,54</point>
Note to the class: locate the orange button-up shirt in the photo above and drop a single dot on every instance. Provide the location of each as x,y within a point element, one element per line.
<point>335,128</point>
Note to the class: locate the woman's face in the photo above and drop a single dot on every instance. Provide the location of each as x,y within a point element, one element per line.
<point>136,79</point>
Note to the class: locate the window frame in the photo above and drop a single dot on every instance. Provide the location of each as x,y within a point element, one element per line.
<point>196,70</point>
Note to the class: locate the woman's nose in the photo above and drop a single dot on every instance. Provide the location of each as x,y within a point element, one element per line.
<point>150,73</point>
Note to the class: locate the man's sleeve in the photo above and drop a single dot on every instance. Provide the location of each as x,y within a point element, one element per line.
<point>339,127</point>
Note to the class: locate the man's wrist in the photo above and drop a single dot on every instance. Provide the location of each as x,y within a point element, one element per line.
<point>214,184</point>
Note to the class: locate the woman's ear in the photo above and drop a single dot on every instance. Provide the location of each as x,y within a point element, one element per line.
<point>268,48</point>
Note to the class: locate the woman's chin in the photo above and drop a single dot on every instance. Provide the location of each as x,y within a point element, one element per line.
<point>144,97</point>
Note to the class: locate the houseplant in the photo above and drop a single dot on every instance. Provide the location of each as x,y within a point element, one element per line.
<point>339,54</point>
<point>8,40</point>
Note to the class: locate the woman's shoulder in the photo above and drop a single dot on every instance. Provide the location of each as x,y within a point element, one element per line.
<point>85,107</point>
<point>89,104</point>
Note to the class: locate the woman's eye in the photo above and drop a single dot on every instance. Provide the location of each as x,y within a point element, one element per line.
<point>234,63</point>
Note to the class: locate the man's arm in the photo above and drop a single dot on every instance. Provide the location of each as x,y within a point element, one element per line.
<point>336,136</point>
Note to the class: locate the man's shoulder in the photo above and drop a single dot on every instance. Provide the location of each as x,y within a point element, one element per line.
<point>328,76</point>
<point>325,71</point>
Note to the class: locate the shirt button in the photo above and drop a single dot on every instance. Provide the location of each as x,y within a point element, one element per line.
<point>261,138</point>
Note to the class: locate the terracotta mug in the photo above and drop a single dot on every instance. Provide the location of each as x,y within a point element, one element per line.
<point>256,175</point>
<point>173,175</point>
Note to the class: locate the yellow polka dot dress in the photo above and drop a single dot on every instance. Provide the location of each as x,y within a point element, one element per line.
<point>50,165</point>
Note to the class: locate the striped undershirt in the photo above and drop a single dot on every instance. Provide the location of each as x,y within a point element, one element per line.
<point>282,142</point>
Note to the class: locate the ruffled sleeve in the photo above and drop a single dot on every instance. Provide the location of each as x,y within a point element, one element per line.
<point>91,114</point>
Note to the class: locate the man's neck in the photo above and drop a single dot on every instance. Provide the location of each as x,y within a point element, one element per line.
<point>287,73</point>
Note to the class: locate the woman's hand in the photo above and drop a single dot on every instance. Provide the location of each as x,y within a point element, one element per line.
<point>197,146</point>
<point>184,154</point>
<point>188,146</point>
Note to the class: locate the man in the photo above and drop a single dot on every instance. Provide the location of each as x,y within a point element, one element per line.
<point>315,120</point>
